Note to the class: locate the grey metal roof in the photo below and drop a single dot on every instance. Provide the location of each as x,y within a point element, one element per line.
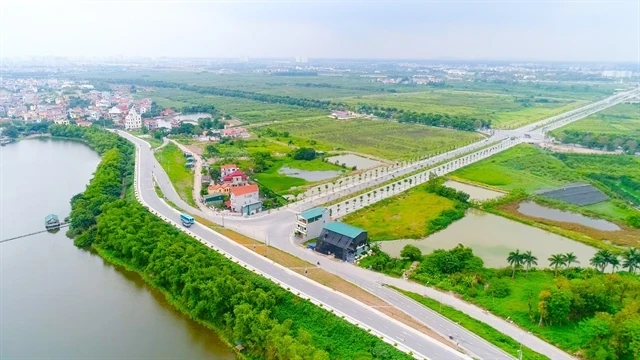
<point>576,193</point>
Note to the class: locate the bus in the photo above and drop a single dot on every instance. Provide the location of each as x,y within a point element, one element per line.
<point>186,219</point>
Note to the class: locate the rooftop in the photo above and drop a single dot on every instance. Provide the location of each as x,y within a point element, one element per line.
<point>343,229</point>
<point>243,190</point>
<point>312,213</point>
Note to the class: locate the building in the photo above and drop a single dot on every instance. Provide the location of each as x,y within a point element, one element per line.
<point>341,115</point>
<point>236,178</point>
<point>213,199</point>
<point>227,169</point>
<point>343,241</point>
<point>219,188</point>
<point>114,113</point>
<point>61,122</point>
<point>245,199</point>
<point>309,223</point>
<point>205,180</point>
<point>133,120</point>
<point>83,123</point>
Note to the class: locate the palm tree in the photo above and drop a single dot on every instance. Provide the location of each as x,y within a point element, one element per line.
<point>598,261</point>
<point>528,259</point>
<point>570,258</point>
<point>614,262</point>
<point>556,261</point>
<point>515,260</point>
<point>631,260</point>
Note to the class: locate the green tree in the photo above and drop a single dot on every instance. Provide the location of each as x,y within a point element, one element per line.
<point>211,150</point>
<point>529,260</point>
<point>631,259</point>
<point>411,253</point>
<point>515,260</point>
<point>556,261</point>
<point>570,258</point>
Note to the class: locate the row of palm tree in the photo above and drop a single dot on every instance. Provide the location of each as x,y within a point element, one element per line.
<point>602,259</point>
<point>630,260</point>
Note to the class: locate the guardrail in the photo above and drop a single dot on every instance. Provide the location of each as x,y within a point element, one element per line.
<point>412,352</point>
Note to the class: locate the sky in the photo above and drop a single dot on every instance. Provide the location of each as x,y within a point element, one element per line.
<point>465,30</point>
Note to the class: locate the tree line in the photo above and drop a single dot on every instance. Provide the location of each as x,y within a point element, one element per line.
<point>244,308</point>
<point>610,142</point>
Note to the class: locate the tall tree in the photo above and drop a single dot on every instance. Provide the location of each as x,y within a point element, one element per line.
<point>528,259</point>
<point>556,261</point>
<point>570,258</point>
<point>631,260</point>
<point>599,261</point>
<point>515,260</point>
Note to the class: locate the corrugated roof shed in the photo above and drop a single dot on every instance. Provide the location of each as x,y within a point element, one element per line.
<point>344,229</point>
<point>313,213</point>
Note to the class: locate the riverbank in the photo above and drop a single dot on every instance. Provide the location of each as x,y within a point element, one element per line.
<point>245,307</point>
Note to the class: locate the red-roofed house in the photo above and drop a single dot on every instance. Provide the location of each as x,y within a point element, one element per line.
<point>245,199</point>
<point>167,112</point>
<point>227,169</point>
<point>236,178</point>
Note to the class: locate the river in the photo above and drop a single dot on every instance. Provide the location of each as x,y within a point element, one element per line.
<point>61,302</point>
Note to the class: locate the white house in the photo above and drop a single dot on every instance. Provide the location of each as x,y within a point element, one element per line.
<point>309,223</point>
<point>114,113</point>
<point>133,120</point>
<point>245,199</point>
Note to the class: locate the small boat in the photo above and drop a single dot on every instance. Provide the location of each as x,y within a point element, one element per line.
<point>51,222</point>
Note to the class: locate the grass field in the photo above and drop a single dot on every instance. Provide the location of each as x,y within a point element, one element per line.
<point>621,120</point>
<point>282,184</point>
<point>173,162</point>
<point>404,216</point>
<point>248,111</point>
<point>384,139</point>
<point>502,109</point>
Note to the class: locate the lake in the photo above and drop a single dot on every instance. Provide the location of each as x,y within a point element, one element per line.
<point>492,237</point>
<point>530,208</point>
<point>61,302</point>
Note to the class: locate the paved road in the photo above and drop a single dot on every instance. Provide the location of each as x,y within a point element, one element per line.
<point>418,343</point>
<point>276,226</point>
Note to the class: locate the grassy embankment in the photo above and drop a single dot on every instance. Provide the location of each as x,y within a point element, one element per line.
<point>269,321</point>
<point>529,168</point>
<point>173,162</point>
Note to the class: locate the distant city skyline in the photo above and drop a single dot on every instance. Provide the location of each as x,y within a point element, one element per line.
<point>456,30</point>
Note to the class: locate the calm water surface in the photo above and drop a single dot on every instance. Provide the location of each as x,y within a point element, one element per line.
<point>492,237</point>
<point>57,301</point>
<point>532,209</point>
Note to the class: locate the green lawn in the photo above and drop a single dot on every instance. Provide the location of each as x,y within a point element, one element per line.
<point>380,138</point>
<point>479,328</point>
<point>173,162</point>
<point>404,216</point>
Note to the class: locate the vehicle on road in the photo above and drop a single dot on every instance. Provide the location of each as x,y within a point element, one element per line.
<point>187,220</point>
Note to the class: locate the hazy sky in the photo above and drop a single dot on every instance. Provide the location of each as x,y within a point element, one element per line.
<point>512,29</point>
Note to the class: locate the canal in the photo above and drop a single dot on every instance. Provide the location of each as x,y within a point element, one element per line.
<point>61,302</point>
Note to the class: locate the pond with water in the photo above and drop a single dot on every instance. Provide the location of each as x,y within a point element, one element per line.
<point>475,192</point>
<point>351,160</point>
<point>311,176</point>
<point>61,302</point>
<point>530,208</point>
<point>492,237</point>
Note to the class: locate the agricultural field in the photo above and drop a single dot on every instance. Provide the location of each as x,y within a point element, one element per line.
<point>610,129</point>
<point>284,184</point>
<point>247,111</point>
<point>173,162</point>
<point>378,138</point>
<point>405,216</point>
<point>504,110</point>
